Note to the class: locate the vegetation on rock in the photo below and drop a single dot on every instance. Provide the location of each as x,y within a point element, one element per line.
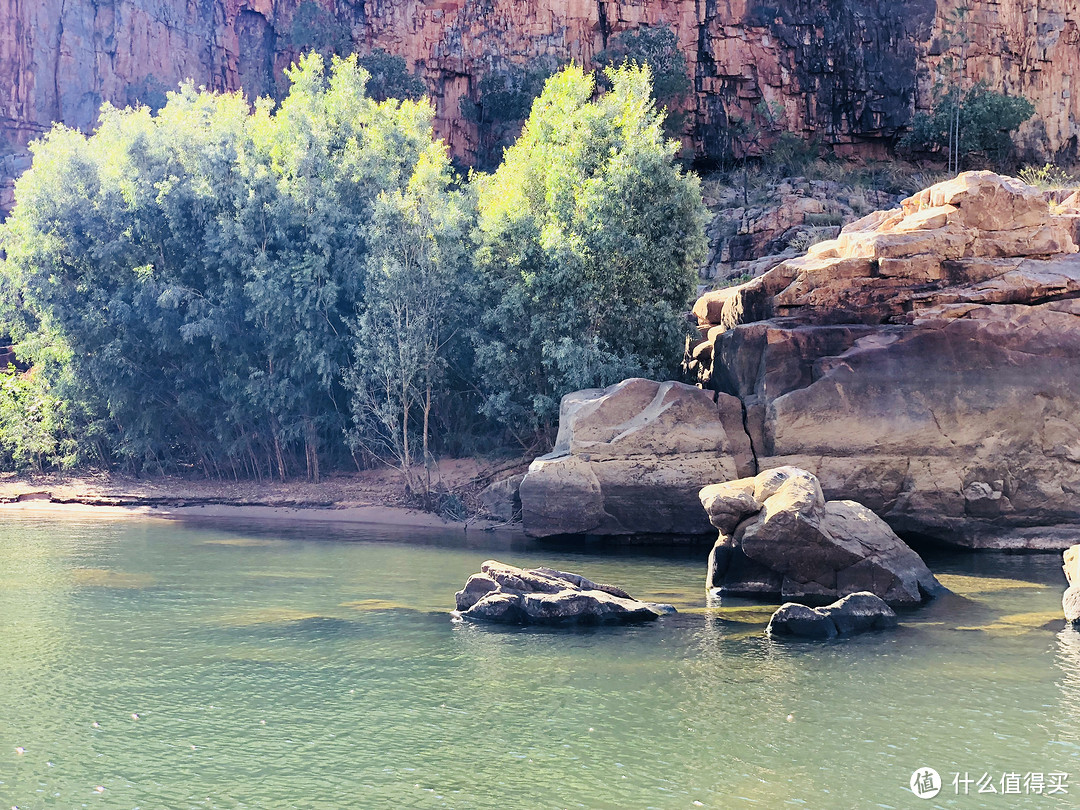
<point>976,124</point>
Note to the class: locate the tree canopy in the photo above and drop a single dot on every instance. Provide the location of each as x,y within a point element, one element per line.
<point>589,241</point>
<point>260,291</point>
<point>201,267</point>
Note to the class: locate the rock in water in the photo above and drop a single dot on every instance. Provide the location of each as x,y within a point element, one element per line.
<point>1070,601</point>
<point>1072,565</point>
<point>628,459</point>
<point>780,537</point>
<point>508,595</point>
<point>855,613</point>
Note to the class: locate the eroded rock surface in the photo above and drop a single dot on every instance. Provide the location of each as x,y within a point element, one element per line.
<point>630,458</point>
<point>926,364</point>
<point>779,537</point>
<point>855,613</point>
<point>508,595</point>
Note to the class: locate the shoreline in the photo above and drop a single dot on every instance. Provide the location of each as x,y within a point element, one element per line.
<point>368,498</point>
<point>344,515</point>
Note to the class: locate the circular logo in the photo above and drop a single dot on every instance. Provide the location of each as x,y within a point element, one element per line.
<point>925,783</point>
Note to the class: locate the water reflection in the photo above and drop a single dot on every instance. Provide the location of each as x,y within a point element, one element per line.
<point>1068,661</point>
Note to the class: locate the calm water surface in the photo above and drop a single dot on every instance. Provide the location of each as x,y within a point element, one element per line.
<point>149,665</point>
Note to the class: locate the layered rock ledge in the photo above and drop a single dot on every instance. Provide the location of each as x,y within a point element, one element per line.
<point>508,595</point>
<point>926,363</point>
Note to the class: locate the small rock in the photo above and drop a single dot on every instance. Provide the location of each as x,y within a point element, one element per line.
<point>501,501</point>
<point>855,613</point>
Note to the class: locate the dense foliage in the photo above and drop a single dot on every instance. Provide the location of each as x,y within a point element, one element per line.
<point>262,292</point>
<point>977,123</point>
<point>590,238</point>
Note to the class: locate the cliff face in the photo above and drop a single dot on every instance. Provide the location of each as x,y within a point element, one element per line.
<point>851,72</point>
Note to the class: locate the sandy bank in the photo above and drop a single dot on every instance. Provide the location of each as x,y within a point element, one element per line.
<point>372,497</point>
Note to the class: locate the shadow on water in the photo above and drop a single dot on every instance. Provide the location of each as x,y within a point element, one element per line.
<point>242,533</point>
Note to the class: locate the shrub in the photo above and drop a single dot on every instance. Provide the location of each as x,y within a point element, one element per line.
<point>987,120</point>
<point>590,238</point>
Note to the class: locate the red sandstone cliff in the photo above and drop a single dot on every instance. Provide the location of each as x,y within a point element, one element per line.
<point>850,71</point>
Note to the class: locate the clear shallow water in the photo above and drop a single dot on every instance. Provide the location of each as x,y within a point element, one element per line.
<point>293,671</point>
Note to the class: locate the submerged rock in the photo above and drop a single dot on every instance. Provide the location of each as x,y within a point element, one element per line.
<point>508,595</point>
<point>780,537</point>
<point>855,613</point>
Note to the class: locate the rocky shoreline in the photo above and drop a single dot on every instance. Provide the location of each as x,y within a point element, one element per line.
<point>925,363</point>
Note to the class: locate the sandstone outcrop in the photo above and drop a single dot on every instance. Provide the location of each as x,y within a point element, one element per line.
<point>629,459</point>
<point>851,74</point>
<point>779,537</point>
<point>855,613</point>
<point>926,363</point>
<point>780,222</point>
<point>500,500</point>
<point>508,595</point>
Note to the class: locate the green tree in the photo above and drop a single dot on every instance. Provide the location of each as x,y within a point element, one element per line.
<point>316,29</point>
<point>389,77</point>
<point>503,98</point>
<point>659,49</point>
<point>979,122</point>
<point>589,240</point>
<point>413,323</point>
<point>187,281</point>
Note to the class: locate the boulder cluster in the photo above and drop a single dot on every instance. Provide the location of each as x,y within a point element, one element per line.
<point>629,460</point>
<point>779,537</point>
<point>925,363</point>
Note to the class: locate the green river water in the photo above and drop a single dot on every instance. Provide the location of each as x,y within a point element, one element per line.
<point>151,665</point>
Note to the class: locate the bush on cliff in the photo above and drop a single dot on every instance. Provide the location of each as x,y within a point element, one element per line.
<point>589,240</point>
<point>984,119</point>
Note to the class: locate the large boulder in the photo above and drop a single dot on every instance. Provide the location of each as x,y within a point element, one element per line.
<point>780,537</point>
<point>629,458</point>
<point>856,613</point>
<point>926,363</point>
<point>508,595</point>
